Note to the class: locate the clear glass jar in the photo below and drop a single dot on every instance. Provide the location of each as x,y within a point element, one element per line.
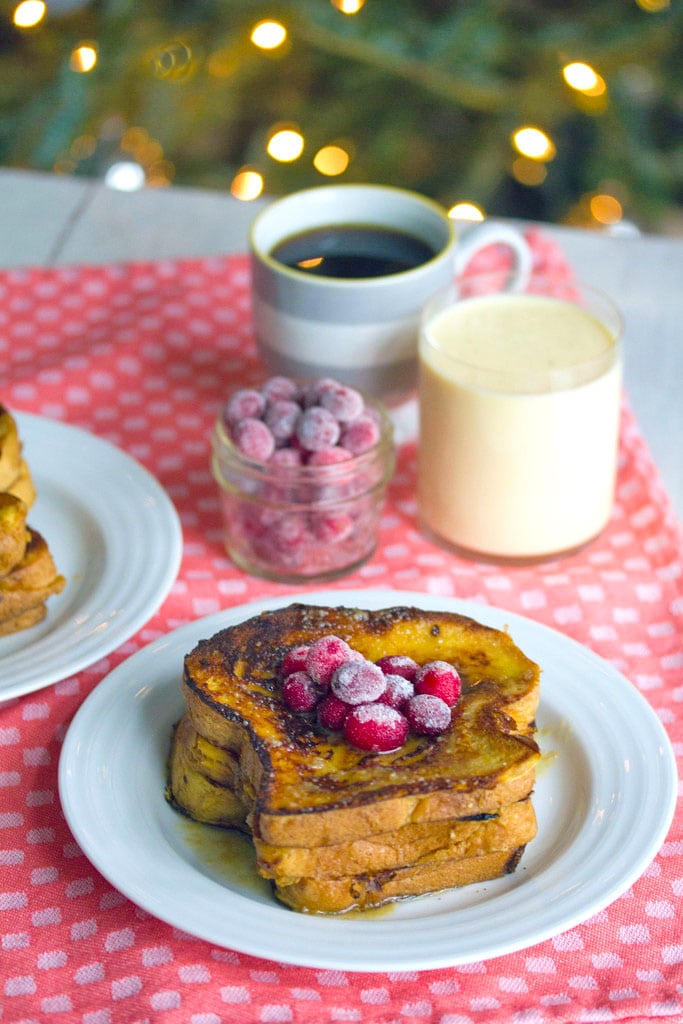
<point>302,524</point>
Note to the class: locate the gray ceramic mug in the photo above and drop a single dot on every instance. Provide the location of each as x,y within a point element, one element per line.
<point>360,330</point>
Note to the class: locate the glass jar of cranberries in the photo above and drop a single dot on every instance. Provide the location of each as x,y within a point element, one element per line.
<point>302,470</point>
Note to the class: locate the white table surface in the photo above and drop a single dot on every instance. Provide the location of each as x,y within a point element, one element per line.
<point>49,220</point>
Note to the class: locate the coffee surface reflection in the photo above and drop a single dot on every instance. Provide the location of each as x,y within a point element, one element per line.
<point>352,251</point>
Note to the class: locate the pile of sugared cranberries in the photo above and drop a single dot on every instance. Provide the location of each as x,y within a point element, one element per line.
<point>304,478</point>
<point>375,705</point>
<point>288,424</point>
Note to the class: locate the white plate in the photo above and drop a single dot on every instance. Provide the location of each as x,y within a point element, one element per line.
<point>604,802</point>
<point>113,533</point>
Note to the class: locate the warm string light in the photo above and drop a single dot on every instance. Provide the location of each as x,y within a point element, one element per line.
<point>268,34</point>
<point>533,143</point>
<point>285,145</point>
<point>331,160</point>
<point>466,211</point>
<point>348,6</point>
<point>83,58</point>
<point>247,185</point>
<point>29,13</point>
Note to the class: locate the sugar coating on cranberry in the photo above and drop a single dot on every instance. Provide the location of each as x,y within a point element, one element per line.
<point>281,416</point>
<point>343,402</point>
<point>358,682</point>
<point>316,428</point>
<point>253,438</point>
<point>246,402</point>
<point>299,692</point>
<point>360,435</point>
<point>440,679</point>
<point>398,665</point>
<point>397,691</point>
<point>280,388</point>
<point>376,727</point>
<point>294,660</point>
<point>325,655</point>
<point>427,715</point>
<point>332,712</point>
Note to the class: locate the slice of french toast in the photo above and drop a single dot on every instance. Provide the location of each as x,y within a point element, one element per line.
<point>374,888</point>
<point>310,788</point>
<point>10,449</point>
<point>14,534</point>
<point>205,784</point>
<point>29,584</point>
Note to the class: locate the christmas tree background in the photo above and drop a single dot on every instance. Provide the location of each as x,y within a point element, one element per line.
<point>425,94</point>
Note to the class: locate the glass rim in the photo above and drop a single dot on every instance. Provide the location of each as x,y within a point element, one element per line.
<point>594,301</point>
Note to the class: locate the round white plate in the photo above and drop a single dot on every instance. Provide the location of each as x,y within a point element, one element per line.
<point>604,800</point>
<point>114,534</point>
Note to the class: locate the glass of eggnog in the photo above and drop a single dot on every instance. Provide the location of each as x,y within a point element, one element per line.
<point>519,400</point>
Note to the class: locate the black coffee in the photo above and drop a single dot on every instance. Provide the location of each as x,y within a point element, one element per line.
<point>352,251</point>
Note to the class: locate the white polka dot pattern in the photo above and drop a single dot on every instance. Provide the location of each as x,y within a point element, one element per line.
<point>143,355</point>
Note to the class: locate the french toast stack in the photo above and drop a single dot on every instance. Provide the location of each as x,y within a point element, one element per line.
<point>28,576</point>
<point>337,828</point>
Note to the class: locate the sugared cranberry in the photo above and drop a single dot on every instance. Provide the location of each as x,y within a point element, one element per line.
<point>325,655</point>
<point>343,402</point>
<point>332,712</point>
<point>294,660</point>
<point>299,692</point>
<point>316,428</point>
<point>375,727</point>
<point>246,402</point>
<point>398,690</point>
<point>285,458</point>
<point>440,679</point>
<point>329,528</point>
<point>427,715</point>
<point>253,438</point>
<point>276,389</point>
<point>281,417</point>
<point>360,435</point>
<point>398,665</point>
<point>358,682</point>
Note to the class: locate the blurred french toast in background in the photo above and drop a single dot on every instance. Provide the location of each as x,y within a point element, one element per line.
<point>28,575</point>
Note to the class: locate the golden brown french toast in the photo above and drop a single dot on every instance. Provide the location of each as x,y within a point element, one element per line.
<point>310,788</point>
<point>336,827</point>
<point>32,581</point>
<point>10,449</point>
<point>14,533</point>
<point>372,889</point>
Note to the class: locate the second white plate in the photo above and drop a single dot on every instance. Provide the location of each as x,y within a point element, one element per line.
<point>604,800</point>
<point>114,534</point>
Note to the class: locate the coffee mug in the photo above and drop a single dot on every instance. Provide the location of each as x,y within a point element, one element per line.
<point>340,274</point>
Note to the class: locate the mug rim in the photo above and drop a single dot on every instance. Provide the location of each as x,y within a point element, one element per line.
<point>275,266</point>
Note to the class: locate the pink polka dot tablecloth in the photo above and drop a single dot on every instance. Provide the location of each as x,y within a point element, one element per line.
<point>143,355</point>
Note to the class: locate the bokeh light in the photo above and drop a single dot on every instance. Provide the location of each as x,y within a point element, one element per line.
<point>29,13</point>
<point>268,34</point>
<point>466,211</point>
<point>125,176</point>
<point>331,160</point>
<point>83,58</point>
<point>285,145</point>
<point>247,185</point>
<point>605,208</point>
<point>348,6</point>
<point>529,172</point>
<point>533,143</point>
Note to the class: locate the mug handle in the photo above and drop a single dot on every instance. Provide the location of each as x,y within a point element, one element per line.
<point>478,236</point>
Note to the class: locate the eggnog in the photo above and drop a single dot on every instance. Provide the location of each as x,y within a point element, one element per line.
<point>519,419</point>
